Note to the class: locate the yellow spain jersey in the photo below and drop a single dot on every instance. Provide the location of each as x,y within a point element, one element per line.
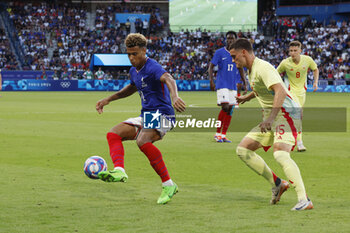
<point>261,77</point>
<point>297,73</point>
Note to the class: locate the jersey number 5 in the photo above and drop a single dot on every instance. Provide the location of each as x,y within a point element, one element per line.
<point>279,130</point>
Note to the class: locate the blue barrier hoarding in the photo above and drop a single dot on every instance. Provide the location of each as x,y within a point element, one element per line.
<point>63,85</point>
<point>22,74</point>
<point>116,85</point>
<point>102,85</point>
<point>330,88</point>
<point>39,85</point>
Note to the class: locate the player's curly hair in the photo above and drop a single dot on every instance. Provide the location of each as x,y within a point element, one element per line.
<point>231,33</point>
<point>135,39</point>
<point>295,43</point>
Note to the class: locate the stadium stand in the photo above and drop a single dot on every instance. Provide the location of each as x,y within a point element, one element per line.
<point>105,19</point>
<point>7,60</point>
<point>50,35</point>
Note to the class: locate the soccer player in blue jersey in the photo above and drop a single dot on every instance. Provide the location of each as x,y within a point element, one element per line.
<point>158,92</point>
<point>228,76</point>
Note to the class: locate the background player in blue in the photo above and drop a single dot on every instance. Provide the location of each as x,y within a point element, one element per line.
<point>148,78</point>
<point>228,76</point>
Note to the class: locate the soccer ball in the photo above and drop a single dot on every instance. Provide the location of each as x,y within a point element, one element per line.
<point>94,165</point>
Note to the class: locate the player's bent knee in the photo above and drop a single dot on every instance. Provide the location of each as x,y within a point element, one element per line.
<point>281,156</point>
<point>140,142</point>
<point>282,147</point>
<point>244,153</point>
<point>226,108</point>
<point>125,131</point>
<point>239,151</point>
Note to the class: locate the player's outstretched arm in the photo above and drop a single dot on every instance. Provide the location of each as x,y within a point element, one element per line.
<point>125,92</point>
<point>178,103</point>
<point>316,76</point>
<point>211,71</point>
<point>245,98</point>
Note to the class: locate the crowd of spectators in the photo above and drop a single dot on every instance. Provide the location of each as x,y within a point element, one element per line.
<point>105,19</point>
<point>7,59</point>
<point>185,54</point>
<point>328,45</point>
<point>44,25</point>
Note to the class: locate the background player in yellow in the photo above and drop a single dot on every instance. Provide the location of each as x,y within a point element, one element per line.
<point>296,67</point>
<point>278,127</point>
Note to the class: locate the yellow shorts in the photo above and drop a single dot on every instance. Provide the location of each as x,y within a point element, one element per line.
<point>284,130</point>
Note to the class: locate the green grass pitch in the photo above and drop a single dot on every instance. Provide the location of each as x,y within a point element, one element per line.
<point>45,138</point>
<point>223,15</point>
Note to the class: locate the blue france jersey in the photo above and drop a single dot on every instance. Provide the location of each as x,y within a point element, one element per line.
<point>228,75</point>
<point>154,94</point>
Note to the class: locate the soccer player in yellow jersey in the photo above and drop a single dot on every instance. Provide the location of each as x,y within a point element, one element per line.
<point>296,68</point>
<point>280,113</point>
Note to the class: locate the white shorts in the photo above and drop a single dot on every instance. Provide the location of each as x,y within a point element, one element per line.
<point>226,96</point>
<point>137,122</point>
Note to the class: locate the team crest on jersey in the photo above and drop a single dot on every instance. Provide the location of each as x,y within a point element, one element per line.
<point>143,84</point>
<point>291,69</point>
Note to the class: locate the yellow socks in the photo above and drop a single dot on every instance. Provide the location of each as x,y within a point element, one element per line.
<point>292,172</point>
<point>256,163</point>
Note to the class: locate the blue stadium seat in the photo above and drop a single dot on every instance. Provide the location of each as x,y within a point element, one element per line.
<point>339,82</point>
<point>323,83</point>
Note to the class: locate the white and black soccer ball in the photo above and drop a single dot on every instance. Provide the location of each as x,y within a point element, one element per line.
<point>94,165</point>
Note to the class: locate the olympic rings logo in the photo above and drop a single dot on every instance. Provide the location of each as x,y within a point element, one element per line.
<point>65,84</point>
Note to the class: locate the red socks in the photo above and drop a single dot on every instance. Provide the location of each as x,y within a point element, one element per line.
<point>227,121</point>
<point>116,149</point>
<point>156,160</point>
<point>221,116</point>
<point>154,156</point>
